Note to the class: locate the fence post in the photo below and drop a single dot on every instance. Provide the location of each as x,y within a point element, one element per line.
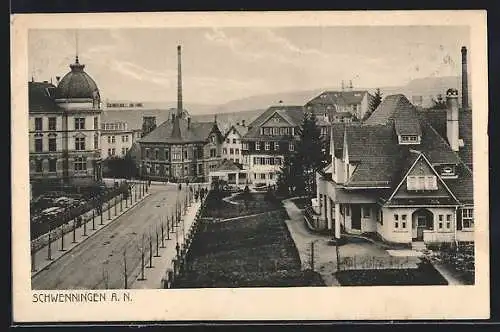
<point>121,202</point>
<point>126,201</point>
<point>62,238</point>
<point>116,203</point>
<point>337,253</point>
<point>49,249</point>
<point>168,228</point>
<point>109,211</point>
<point>312,255</point>
<point>150,251</point>
<point>85,225</point>
<point>157,255</point>
<point>74,230</point>
<point>162,235</point>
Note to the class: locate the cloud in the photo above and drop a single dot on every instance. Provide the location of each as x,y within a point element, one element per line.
<point>288,46</point>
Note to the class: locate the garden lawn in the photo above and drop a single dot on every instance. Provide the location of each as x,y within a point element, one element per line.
<point>425,274</point>
<point>255,251</point>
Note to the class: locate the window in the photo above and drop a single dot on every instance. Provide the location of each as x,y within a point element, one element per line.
<point>79,143</point>
<point>124,151</point>
<point>113,151</point>
<point>231,151</point>
<point>79,123</point>
<point>257,146</point>
<point>277,161</point>
<point>228,141</point>
<point>440,225</point>
<point>244,146</point>
<point>347,211</point>
<point>157,154</point>
<point>52,165</point>
<point>396,224</point>
<point>166,155</point>
<point>271,176</point>
<point>38,166</point>
<point>234,140</point>
<point>467,218</point>
<point>421,182</point>
<point>237,151</point>
<point>263,176</point>
<point>276,131</point>
<point>38,124</point>
<point>112,139</point>
<point>266,131</point>
<point>267,146</point>
<point>96,122</point>
<point>212,139</point>
<point>396,217</point>
<point>448,217</point>
<point>224,150</point>
<point>38,144</point>
<point>52,123</point>
<point>403,224</point>
<point>409,139</point>
<point>255,160</point>
<point>291,146</point>
<point>448,171</point>
<point>185,154</point>
<point>109,139</point>
<point>109,152</point>
<point>123,139</point>
<point>403,217</point>
<point>366,212</point>
<point>213,153</point>
<point>276,146</point>
<point>440,217</point>
<point>237,160</point>
<point>96,141</point>
<point>80,164</point>
<point>52,144</point>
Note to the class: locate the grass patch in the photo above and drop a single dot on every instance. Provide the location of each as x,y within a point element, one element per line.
<point>255,203</point>
<point>424,275</point>
<point>256,251</point>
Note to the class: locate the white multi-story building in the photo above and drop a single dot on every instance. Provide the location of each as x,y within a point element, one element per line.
<point>64,131</point>
<point>231,147</point>
<point>116,139</point>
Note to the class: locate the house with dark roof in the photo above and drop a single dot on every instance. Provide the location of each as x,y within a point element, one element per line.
<point>270,136</point>
<point>399,177</point>
<point>230,172</point>
<point>180,149</point>
<point>64,130</point>
<point>340,106</point>
<point>231,145</point>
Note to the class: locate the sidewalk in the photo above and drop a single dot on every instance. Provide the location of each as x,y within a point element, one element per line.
<point>62,245</point>
<point>153,276</point>
<point>325,260</point>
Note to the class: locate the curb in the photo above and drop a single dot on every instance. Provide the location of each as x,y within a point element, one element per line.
<point>33,274</point>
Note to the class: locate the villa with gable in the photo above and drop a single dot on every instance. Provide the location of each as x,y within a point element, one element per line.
<point>395,175</point>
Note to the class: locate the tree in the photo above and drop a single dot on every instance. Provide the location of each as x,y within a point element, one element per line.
<point>375,101</point>
<point>298,172</point>
<point>439,103</point>
<point>121,167</point>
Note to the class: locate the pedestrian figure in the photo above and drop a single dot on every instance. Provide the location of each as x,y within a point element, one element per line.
<point>180,186</point>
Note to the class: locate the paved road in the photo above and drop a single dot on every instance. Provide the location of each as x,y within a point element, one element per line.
<point>98,262</point>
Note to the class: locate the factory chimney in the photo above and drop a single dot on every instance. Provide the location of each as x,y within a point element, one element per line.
<point>179,82</point>
<point>465,87</point>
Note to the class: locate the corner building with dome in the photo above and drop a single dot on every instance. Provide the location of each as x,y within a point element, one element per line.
<point>64,134</point>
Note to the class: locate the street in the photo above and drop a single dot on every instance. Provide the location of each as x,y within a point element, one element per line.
<point>98,262</point>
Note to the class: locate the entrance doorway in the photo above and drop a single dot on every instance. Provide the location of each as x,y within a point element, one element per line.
<point>355,217</point>
<point>422,219</point>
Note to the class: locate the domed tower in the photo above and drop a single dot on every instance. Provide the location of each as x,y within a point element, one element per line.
<point>78,96</point>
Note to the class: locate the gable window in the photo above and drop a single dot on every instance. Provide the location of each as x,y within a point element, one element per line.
<point>447,171</point>
<point>79,123</point>
<point>421,182</point>
<point>409,139</point>
<point>267,146</point>
<point>38,124</point>
<point>266,131</point>
<point>52,123</point>
<point>147,153</point>
<point>467,218</point>
<point>234,140</point>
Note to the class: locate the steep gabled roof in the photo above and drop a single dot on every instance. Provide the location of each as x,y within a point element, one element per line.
<point>39,97</point>
<point>294,114</point>
<point>338,98</point>
<point>164,133</point>
<point>242,130</point>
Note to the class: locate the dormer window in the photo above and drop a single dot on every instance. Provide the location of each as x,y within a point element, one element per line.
<point>409,139</point>
<point>421,182</point>
<point>447,171</point>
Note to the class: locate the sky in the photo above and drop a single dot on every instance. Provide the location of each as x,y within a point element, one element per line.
<point>223,64</point>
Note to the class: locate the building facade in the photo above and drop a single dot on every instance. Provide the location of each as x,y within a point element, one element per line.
<point>64,129</point>
<point>341,106</point>
<point>396,176</point>
<point>269,138</point>
<point>116,139</point>
<point>231,146</point>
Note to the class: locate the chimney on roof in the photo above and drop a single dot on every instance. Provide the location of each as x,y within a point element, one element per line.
<point>189,122</point>
<point>452,119</point>
<point>350,85</point>
<point>179,82</point>
<point>465,87</point>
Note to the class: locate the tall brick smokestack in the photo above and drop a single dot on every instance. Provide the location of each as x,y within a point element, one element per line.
<point>465,87</point>
<point>179,82</point>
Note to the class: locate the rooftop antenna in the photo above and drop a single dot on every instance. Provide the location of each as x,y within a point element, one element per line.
<point>76,45</point>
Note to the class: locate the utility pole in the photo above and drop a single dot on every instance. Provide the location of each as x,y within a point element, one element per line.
<point>49,248</point>
<point>312,255</point>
